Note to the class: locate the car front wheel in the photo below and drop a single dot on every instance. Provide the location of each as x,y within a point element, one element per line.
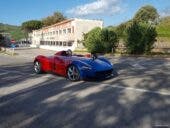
<point>37,67</point>
<point>73,73</point>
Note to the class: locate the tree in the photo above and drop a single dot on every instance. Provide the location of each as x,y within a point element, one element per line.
<point>140,38</point>
<point>55,18</point>
<point>149,37</point>
<point>109,40</point>
<point>146,14</point>
<point>1,40</point>
<point>93,41</point>
<point>100,40</point>
<point>28,26</point>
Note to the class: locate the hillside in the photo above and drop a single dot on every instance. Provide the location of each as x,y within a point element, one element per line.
<point>15,31</point>
<point>163,28</point>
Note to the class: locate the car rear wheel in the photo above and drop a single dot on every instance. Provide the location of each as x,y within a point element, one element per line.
<point>73,73</point>
<point>37,67</point>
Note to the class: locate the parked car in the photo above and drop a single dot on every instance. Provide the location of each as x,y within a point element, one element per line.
<point>74,67</point>
<point>12,45</point>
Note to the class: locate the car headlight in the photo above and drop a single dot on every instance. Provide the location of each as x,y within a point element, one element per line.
<point>86,68</point>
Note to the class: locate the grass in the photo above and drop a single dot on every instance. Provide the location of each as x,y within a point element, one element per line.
<point>163,29</point>
<point>80,51</point>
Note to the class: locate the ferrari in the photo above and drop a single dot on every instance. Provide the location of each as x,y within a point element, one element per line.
<point>74,67</point>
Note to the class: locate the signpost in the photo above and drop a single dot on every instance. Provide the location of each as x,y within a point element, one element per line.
<point>13,48</point>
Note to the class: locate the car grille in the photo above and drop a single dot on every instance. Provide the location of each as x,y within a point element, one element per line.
<point>104,73</point>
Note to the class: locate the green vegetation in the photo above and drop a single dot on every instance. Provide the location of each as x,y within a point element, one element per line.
<point>140,38</point>
<point>28,26</point>
<point>100,40</point>
<point>92,40</point>
<point>163,28</point>
<point>19,32</point>
<point>15,31</point>
<point>109,40</point>
<point>1,40</point>
<point>139,33</point>
<point>55,18</point>
<point>147,14</point>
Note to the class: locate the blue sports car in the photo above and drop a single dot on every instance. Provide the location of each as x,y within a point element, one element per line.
<point>74,67</point>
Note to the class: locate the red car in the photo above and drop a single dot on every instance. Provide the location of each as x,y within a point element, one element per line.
<point>75,67</point>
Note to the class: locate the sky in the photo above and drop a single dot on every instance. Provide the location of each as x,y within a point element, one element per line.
<point>112,12</point>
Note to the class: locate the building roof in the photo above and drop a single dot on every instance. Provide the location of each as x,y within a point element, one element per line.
<point>59,23</point>
<point>65,21</point>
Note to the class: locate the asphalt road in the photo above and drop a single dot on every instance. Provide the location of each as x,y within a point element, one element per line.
<point>139,97</point>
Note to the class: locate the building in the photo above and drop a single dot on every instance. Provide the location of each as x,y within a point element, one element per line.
<point>63,35</point>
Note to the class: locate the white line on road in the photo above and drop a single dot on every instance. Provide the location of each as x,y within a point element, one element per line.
<point>12,71</point>
<point>139,90</point>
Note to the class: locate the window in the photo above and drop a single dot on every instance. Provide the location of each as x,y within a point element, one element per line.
<point>60,43</point>
<point>53,32</point>
<point>72,29</point>
<point>70,43</point>
<point>69,30</point>
<point>64,31</point>
<point>60,32</point>
<point>56,32</point>
<point>64,43</point>
<point>48,42</point>
<point>56,43</point>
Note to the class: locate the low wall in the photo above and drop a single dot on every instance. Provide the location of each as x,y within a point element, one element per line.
<point>10,51</point>
<point>163,47</point>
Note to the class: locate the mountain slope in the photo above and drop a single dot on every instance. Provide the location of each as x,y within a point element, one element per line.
<point>15,31</point>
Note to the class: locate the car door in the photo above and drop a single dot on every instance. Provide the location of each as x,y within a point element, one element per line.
<point>59,65</point>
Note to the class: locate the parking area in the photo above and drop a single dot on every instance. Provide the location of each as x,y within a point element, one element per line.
<point>139,97</point>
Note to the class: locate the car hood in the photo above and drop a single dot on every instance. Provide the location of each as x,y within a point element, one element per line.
<point>95,64</point>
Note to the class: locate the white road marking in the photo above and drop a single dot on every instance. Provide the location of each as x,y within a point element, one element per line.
<point>137,65</point>
<point>139,90</point>
<point>12,71</point>
<point>167,64</point>
<point>4,73</point>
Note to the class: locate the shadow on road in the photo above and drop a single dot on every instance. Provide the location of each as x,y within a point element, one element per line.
<point>42,101</point>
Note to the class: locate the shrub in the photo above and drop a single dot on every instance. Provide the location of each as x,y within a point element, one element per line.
<point>109,40</point>
<point>92,41</point>
<point>100,40</point>
<point>2,40</point>
<point>149,38</point>
<point>140,38</point>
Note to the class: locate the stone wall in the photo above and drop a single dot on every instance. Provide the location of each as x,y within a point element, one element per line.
<point>159,46</point>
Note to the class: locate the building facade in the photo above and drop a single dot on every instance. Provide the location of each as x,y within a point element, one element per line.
<point>63,35</point>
